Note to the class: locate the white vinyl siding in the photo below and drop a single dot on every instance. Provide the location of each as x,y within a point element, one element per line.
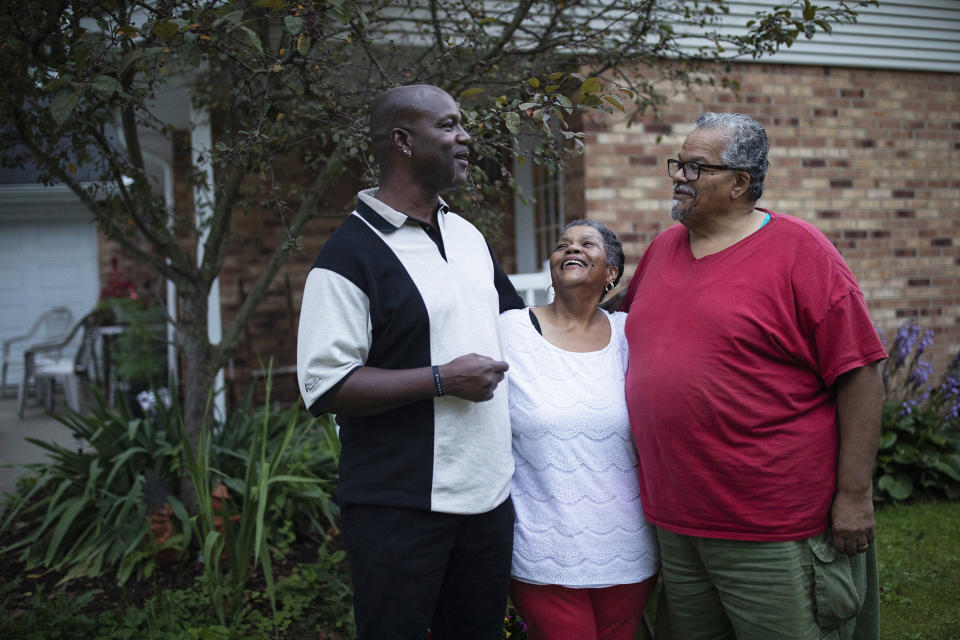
<point>920,36</point>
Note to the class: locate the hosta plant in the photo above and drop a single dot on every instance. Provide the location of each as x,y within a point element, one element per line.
<point>919,453</point>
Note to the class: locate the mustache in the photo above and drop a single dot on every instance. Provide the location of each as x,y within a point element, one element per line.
<point>684,189</point>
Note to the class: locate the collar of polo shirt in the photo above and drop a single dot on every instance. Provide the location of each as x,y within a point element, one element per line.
<point>384,218</point>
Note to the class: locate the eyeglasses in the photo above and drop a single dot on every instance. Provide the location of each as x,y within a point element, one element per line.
<point>691,170</point>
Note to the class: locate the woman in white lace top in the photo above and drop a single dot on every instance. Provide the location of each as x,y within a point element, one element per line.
<point>584,560</point>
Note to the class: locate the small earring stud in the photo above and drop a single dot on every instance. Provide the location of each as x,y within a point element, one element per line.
<point>407,152</point>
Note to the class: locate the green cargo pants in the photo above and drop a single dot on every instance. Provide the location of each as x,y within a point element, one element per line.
<point>724,589</point>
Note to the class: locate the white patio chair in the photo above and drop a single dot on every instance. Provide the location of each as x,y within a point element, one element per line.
<point>51,326</point>
<point>69,361</point>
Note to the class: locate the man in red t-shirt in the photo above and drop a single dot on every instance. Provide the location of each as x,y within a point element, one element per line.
<point>755,395</point>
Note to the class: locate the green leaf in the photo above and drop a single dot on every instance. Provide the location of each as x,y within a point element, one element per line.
<point>809,10</point>
<point>127,60</point>
<point>950,465</point>
<point>63,105</point>
<point>615,101</point>
<point>234,18</point>
<point>590,85</point>
<point>211,548</point>
<point>289,478</point>
<point>937,439</point>
<point>261,509</point>
<point>270,4</point>
<point>472,91</point>
<point>254,39</point>
<point>899,486</point>
<point>293,24</point>
<point>63,526</point>
<point>534,82</point>
<point>165,30</point>
<point>120,460</point>
<point>888,439</point>
<point>512,121</point>
<point>303,45</point>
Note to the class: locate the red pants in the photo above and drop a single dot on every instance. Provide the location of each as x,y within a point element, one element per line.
<point>553,612</point>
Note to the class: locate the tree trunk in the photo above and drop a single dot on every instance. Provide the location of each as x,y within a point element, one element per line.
<point>199,372</point>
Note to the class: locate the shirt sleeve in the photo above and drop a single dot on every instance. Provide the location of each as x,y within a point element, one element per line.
<point>832,307</point>
<point>334,336</point>
<point>846,338</point>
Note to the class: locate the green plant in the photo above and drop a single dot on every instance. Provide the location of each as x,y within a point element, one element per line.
<point>245,542</point>
<point>169,615</point>
<point>296,508</point>
<point>86,512</point>
<point>139,352</point>
<point>317,596</point>
<point>43,617</point>
<point>919,450</point>
<point>514,626</point>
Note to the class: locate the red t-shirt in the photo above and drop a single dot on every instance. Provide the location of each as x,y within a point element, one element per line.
<point>729,385</point>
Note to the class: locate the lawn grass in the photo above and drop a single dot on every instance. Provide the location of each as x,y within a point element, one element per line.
<point>918,548</point>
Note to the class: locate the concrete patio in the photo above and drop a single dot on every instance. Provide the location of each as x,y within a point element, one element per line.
<point>15,451</point>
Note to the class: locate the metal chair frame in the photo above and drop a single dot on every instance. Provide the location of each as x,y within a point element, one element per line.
<point>52,325</point>
<point>50,362</point>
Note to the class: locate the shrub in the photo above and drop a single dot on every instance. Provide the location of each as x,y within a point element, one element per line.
<point>296,508</point>
<point>919,454</point>
<point>244,536</point>
<point>87,510</point>
<point>45,616</point>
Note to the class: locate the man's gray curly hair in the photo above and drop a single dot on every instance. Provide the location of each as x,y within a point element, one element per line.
<point>746,148</point>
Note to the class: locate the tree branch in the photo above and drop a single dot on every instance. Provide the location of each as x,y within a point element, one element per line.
<point>306,212</point>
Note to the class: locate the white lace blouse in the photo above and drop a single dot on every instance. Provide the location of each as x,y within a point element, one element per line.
<point>579,520</point>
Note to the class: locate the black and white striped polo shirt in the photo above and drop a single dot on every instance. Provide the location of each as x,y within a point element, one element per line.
<point>383,293</point>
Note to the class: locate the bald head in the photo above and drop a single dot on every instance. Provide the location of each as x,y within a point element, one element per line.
<point>398,108</point>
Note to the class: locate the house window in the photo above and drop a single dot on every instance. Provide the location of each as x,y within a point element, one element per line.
<point>538,214</point>
<point>548,207</point>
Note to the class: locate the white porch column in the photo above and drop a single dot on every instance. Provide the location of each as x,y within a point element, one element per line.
<point>201,146</point>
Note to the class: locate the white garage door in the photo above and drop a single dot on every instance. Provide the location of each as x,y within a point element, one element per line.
<point>47,259</point>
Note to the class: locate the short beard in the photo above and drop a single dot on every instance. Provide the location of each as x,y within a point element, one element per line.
<point>677,213</point>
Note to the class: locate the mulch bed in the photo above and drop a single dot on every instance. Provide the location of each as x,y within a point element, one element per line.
<point>109,595</point>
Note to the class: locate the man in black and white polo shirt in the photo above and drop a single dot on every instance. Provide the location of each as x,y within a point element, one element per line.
<point>398,337</point>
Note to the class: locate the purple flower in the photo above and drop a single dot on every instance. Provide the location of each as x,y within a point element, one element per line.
<point>920,374</point>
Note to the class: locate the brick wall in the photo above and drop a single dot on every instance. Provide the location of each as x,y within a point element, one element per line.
<point>272,331</point>
<point>870,157</point>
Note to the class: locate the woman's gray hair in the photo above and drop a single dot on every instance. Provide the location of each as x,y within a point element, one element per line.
<point>612,249</point>
<point>747,147</point>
